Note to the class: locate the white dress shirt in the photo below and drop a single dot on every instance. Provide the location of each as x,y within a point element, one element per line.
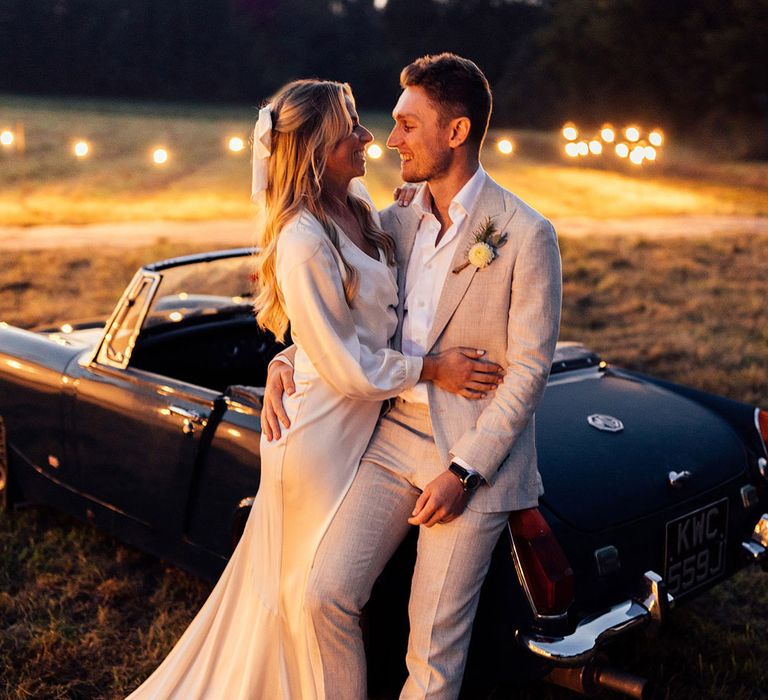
<point>428,267</point>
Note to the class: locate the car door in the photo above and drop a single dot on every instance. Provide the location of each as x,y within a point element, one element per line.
<point>136,434</point>
<point>227,473</point>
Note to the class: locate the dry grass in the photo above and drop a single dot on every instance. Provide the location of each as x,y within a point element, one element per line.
<point>41,287</point>
<point>203,181</point>
<point>93,623</point>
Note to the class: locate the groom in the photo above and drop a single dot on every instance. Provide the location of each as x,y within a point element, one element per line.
<point>479,268</point>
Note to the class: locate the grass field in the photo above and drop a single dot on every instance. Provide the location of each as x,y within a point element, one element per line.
<point>202,180</point>
<point>83,616</point>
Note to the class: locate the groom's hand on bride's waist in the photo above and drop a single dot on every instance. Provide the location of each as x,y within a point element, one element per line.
<point>442,500</point>
<point>279,382</point>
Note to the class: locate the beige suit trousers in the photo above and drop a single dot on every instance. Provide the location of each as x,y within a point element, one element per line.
<point>452,561</point>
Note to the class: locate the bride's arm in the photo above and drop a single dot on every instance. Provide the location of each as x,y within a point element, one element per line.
<point>311,284</point>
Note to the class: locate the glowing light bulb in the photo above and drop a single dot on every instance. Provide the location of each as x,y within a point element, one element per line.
<point>81,149</point>
<point>160,156</point>
<point>236,144</point>
<point>7,138</point>
<point>595,147</point>
<point>583,148</point>
<point>622,150</point>
<point>570,131</point>
<point>638,155</point>
<point>572,149</point>
<point>632,133</point>
<point>374,151</point>
<point>656,138</point>
<point>649,152</point>
<point>505,146</point>
<point>607,134</point>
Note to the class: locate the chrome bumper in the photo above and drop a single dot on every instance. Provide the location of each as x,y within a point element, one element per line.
<point>649,606</point>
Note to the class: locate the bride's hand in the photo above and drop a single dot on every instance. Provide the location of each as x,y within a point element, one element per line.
<point>279,381</point>
<point>462,371</point>
<point>403,194</point>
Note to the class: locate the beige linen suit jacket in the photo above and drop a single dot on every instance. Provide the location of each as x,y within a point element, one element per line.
<point>511,309</point>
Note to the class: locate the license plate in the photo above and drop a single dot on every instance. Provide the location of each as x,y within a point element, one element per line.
<point>695,551</point>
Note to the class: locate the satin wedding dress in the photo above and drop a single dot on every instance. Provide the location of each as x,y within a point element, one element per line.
<point>251,639</point>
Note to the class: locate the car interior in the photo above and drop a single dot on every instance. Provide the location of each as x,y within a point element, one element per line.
<point>214,352</point>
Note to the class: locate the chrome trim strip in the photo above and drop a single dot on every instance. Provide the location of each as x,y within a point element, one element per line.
<point>575,649</point>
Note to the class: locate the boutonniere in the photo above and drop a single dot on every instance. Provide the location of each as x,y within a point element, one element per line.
<point>485,248</point>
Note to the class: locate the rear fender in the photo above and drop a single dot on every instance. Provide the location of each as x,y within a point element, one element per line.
<point>32,381</point>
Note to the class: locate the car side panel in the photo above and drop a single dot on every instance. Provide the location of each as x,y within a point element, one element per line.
<point>227,472</point>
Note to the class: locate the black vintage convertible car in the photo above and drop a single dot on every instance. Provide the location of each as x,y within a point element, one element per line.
<point>148,426</point>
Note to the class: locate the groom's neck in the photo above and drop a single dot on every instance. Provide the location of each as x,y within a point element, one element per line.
<point>447,185</point>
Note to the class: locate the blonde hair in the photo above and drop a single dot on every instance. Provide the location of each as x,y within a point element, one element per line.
<point>309,118</point>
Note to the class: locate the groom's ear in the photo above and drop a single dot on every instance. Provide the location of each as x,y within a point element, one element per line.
<point>459,131</point>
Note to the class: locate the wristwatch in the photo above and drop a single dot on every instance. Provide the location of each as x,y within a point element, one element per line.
<point>469,478</point>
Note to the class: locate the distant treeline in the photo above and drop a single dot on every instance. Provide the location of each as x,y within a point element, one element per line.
<point>698,64</point>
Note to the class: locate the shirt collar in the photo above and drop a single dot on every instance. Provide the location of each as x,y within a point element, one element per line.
<point>464,198</point>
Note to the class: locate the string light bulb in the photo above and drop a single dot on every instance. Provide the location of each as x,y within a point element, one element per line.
<point>570,131</point>
<point>236,144</point>
<point>572,149</point>
<point>81,149</point>
<point>160,156</point>
<point>505,146</point>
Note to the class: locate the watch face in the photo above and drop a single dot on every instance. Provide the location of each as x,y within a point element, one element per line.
<point>472,481</point>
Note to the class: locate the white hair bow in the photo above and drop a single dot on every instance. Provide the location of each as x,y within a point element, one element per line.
<point>262,149</point>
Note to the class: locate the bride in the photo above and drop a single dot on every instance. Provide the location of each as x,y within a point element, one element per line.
<point>327,268</point>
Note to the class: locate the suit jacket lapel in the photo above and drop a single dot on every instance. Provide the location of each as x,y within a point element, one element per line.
<point>490,202</point>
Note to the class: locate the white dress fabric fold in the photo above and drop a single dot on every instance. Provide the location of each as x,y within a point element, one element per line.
<point>252,639</point>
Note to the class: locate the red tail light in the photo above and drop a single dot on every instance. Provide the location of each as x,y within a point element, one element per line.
<point>761,420</point>
<point>544,570</point>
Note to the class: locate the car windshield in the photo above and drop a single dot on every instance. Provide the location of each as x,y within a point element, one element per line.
<point>201,289</point>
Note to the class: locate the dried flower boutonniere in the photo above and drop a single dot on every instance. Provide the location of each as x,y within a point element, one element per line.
<point>485,248</point>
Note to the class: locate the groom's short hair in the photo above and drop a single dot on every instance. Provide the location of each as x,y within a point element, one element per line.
<point>457,87</point>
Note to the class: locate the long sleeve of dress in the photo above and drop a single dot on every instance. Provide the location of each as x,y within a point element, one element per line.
<point>310,280</point>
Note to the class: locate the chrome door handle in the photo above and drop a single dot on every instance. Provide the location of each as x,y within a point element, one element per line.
<point>191,418</point>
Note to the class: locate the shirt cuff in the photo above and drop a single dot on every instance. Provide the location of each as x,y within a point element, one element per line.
<point>413,367</point>
<point>462,463</point>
